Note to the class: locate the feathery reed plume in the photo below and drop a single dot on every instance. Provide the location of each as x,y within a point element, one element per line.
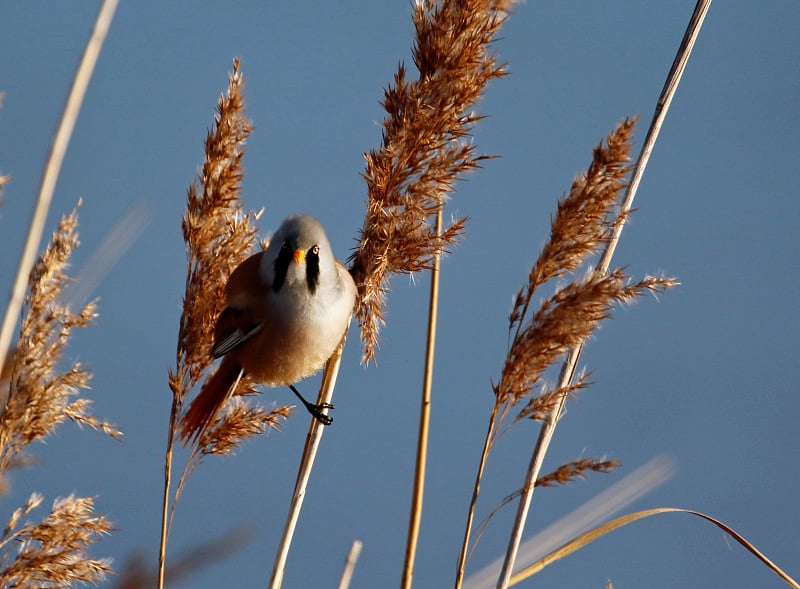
<point>218,236</point>
<point>577,469</point>
<point>564,474</point>
<point>52,553</point>
<point>236,423</point>
<point>584,222</point>
<point>37,397</point>
<point>424,149</point>
<point>58,149</point>
<point>568,368</point>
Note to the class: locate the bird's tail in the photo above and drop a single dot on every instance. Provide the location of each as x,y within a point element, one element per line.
<point>210,400</point>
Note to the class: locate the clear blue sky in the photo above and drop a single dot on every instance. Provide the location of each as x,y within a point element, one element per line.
<point>707,374</point>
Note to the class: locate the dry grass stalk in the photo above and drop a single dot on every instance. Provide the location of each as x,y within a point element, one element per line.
<point>350,564</point>
<point>569,366</point>
<point>52,553</point>
<point>584,222</point>
<point>37,396</point>
<point>58,150</point>
<point>424,149</point>
<point>218,236</point>
<point>577,469</point>
<point>239,422</point>
<point>542,404</point>
<point>563,475</point>
<point>313,440</point>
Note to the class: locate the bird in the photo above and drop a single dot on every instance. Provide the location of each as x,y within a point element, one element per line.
<point>287,309</point>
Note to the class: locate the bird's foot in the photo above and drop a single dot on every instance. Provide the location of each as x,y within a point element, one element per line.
<point>316,412</point>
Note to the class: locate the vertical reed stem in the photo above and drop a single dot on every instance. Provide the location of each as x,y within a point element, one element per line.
<point>568,369</point>
<point>162,546</point>
<point>306,464</point>
<point>476,489</point>
<point>350,564</point>
<point>51,170</point>
<point>415,517</point>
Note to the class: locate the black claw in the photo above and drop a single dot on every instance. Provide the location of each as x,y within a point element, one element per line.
<point>315,410</point>
<point>322,418</point>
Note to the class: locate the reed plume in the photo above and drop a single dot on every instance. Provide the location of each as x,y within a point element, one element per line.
<point>218,237</point>
<point>424,149</point>
<point>576,469</point>
<point>37,395</point>
<point>584,222</point>
<point>52,553</point>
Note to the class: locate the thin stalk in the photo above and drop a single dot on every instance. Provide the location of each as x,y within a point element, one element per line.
<point>415,516</point>
<point>162,547</point>
<point>476,489</point>
<point>51,170</point>
<point>350,564</point>
<point>306,464</point>
<point>568,368</point>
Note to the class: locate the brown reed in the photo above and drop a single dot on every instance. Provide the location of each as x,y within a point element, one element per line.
<point>218,237</point>
<point>38,396</point>
<point>52,553</point>
<point>424,149</point>
<point>423,152</point>
<point>583,224</point>
<point>576,469</point>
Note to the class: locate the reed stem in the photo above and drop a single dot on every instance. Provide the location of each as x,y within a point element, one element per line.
<point>415,516</point>
<point>51,170</point>
<point>313,440</point>
<point>568,368</point>
<point>350,564</point>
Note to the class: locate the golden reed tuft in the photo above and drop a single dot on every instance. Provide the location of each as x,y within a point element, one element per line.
<point>583,224</point>
<point>53,553</point>
<point>37,397</point>
<point>424,149</point>
<point>218,237</point>
<point>577,469</point>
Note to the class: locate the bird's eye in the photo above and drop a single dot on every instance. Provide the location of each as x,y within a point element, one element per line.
<point>284,245</point>
<point>315,250</point>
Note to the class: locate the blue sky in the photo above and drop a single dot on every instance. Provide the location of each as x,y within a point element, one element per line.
<point>707,374</point>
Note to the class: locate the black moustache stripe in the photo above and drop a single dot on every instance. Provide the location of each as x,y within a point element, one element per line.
<point>281,267</point>
<point>312,271</point>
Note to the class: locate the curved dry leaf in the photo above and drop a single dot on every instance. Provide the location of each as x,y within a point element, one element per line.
<point>600,531</point>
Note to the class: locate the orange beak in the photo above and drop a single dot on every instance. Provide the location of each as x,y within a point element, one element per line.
<point>299,256</point>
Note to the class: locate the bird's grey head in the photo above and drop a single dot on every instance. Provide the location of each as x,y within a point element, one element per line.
<point>296,250</point>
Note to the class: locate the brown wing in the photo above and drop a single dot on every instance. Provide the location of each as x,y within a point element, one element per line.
<point>234,327</point>
<point>238,322</point>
